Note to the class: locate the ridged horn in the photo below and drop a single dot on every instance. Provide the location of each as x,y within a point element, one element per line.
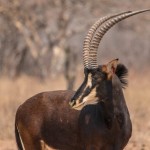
<point>90,34</point>
<point>102,30</point>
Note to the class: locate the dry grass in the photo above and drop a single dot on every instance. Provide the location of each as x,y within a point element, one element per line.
<point>13,93</point>
<point>138,100</point>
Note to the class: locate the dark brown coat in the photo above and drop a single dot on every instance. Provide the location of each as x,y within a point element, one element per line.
<point>48,117</point>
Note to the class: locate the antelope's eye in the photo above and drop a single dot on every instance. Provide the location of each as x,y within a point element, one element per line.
<point>95,77</point>
<point>104,76</point>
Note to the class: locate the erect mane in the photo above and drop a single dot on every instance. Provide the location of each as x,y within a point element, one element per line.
<point>122,73</point>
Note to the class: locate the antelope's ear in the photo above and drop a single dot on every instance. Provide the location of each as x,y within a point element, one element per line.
<point>110,68</point>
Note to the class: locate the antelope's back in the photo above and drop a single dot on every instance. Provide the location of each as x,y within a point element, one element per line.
<point>48,116</point>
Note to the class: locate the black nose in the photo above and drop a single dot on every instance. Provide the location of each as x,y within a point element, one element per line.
<point>72,103</point>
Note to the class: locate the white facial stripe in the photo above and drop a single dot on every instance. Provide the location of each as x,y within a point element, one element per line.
<point>89,82</point>
<point>91,98</point>
<point>79,107</point>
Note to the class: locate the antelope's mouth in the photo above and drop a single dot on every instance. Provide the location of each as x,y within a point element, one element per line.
<point>80,105</point>
<point>77,106</point>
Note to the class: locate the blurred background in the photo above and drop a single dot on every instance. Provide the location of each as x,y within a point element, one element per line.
<point>41,50</point>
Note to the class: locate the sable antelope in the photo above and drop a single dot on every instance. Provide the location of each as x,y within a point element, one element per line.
<point>103,122</point>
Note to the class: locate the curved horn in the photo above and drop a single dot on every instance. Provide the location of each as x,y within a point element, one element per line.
<point>89,36</point>
<point>103,29</point>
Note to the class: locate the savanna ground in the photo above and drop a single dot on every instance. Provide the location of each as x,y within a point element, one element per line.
<point>14,92</point>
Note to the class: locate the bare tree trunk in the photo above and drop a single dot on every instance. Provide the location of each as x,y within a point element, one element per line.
<point>70,68</point>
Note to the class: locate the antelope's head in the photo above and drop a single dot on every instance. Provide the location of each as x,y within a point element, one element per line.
<point>97,85</point>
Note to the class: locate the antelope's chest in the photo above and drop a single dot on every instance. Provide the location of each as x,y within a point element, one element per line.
<point>97,128</point>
